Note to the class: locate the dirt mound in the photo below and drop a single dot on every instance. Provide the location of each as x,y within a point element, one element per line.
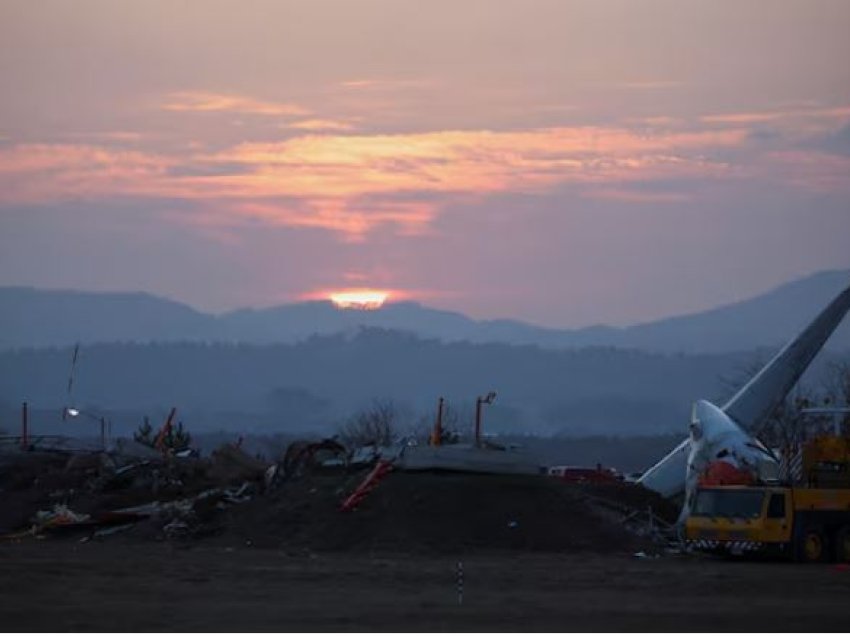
<point>431,512</point>
<point>444,512</point>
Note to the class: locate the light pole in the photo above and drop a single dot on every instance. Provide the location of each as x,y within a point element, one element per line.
<point>72,412</point>
<point>488,399</point>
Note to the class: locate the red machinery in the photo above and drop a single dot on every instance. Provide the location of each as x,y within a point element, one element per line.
<point>722,473</point>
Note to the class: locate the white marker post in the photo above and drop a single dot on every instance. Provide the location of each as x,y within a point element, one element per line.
<point>460,582</point>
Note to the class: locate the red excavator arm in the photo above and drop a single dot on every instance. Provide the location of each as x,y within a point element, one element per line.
<point>159,442</point>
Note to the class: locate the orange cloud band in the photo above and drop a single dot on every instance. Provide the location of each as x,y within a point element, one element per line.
<point>201,101</point>
<point>352,183</point>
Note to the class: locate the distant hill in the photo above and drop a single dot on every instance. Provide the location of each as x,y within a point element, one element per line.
<point>38,318</point>
<point>767,320</point>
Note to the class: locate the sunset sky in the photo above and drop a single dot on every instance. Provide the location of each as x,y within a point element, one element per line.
<point>566,163</point>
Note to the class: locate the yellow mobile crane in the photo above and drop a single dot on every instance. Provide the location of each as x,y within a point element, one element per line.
<point>807,518</point>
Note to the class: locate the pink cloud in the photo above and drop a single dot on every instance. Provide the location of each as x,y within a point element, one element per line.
<point>635,196</point>
<point>319,125</point>
<point>353,220</point>
<point>200,101</point>
<point>355,277</point>
<point>351,184</point>
<point>466,161</point>
<point>34,173</point>
<point>378,83</point>
<point>119,136</point>
<point>764,116</point>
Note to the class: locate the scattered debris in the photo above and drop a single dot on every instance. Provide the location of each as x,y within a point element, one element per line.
<point>270,476</point>
<point>51,494</point>
<point>375,476</point>
<point>235,497</point>
<point>302,455</point>
<point>105,532</point>
<point>644,555</point>
<point>59,516</point>
<point>176,529</point>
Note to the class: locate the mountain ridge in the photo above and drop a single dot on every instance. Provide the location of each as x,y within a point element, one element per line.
<point>31,317</point>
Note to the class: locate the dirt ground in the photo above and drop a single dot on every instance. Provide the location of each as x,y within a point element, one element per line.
<point>537,554</point>
<point>65,586</point>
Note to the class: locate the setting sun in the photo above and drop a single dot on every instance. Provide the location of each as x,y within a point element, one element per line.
<point>366,299</point>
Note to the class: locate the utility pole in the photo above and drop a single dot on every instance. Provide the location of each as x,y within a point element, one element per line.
<point>24,427</point>
<point>437,434</point>
<point>488,399</point>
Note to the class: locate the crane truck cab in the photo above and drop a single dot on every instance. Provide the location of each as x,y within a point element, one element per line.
<point>806,524</point>
<point>807,518</point>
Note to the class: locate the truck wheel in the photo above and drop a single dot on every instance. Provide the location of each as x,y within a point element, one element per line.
<point>812,545</point>
<point>842,545</point>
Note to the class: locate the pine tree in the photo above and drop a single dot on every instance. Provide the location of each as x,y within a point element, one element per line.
<point>143,433</point>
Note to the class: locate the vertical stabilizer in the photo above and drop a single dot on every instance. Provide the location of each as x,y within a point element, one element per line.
<point>761,395</point>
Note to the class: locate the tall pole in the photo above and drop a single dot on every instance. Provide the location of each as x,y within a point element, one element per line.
<point>24,427</point>
<point>478,421</point>
<point>437,435</point>
<point>103,433</point>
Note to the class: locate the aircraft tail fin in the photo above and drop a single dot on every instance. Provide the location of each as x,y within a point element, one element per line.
<point>768,388</point>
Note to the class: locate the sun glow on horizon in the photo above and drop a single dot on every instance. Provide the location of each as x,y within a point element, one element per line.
<point>363,299</point>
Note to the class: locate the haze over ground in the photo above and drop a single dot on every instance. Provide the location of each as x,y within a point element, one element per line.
<point>564,163</point>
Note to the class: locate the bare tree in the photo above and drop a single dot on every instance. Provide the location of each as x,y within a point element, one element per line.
<point>837,390</point>
<point>787,425</point>
<point>422,428</point>
<point>375,425</point>
<point>839,382</point>
<point>842,375</point>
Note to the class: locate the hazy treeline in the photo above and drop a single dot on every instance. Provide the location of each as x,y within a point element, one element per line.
<point>315,384</point>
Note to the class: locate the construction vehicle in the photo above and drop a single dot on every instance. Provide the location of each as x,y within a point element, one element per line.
<point>804,516</point>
